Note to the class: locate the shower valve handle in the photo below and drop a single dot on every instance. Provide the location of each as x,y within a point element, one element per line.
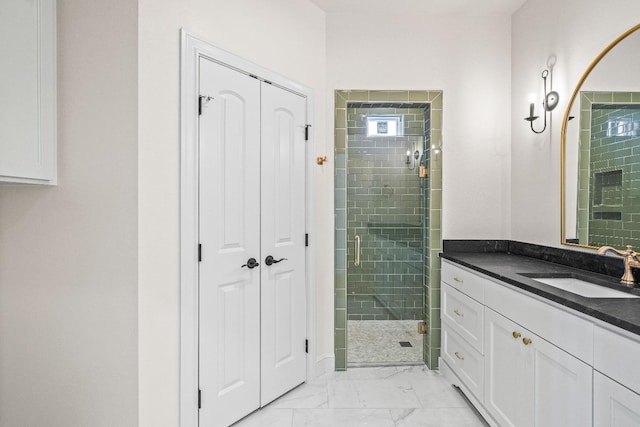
<point>269,260</point>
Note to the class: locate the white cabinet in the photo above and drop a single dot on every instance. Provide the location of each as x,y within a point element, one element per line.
<point>616,381</point>
<point>463,315</point>
<point>462,329</point>
<point>28,88</point>
<point>508,391</point>
<point>529,365</point>
<point>464,360</point>
<point>613,404</point>
<point>530,382</point>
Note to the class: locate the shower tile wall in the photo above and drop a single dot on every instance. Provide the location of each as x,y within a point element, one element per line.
<point>384,208</point>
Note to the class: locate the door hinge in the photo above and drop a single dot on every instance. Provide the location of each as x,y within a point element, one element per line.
<point>306,346</point>
<point>306,239</point>
<point>199,399</point>
<point>199,252</point>
<point>306,132</point>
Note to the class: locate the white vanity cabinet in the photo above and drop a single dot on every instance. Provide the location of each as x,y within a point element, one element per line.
<point>536,357</point>
<point>616,380</point>
<point>28,88</point>
<point>530,382</point>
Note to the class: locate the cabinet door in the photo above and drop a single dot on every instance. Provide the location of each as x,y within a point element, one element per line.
<point>613,404</point>
<point>561,383</point>
<point>509,388</point>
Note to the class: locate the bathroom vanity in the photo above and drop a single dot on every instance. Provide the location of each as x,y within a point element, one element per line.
<point>538,343</point>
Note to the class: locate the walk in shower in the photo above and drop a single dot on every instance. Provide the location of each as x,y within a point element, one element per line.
<point>383,175</point>
<point>387,147</point>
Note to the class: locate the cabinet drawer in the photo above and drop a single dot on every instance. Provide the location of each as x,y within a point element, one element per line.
<point>463,280</point>
<point>617,357</point>
<point>463,315</point>
<point>464,361</point>
<point>567,331</point>
<point>613,404</point>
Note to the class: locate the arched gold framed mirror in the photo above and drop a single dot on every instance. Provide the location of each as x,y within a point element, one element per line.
<point>600,150</point>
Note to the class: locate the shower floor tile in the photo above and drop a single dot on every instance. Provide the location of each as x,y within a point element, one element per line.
<point>383,342</point>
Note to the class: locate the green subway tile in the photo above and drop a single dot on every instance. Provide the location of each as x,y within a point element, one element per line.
<point>340,319</point>
<point>341,359</point>
<point>435,337</point>
<point>436,121</point>
<point>435,318</point>
<point>434,298</point>
<point>378,96</point>
<point>436,101</point>
<point>436,199</point>
<point>622,97</point>
<point>418,96</point>
<point>340,100</point>
<point>435,354</point>
<point>401,95</point>
<point>357,95</point>
<point>341,300</point>
<point>341,336</point>
<point>603,97</point>
<point>341,118</point>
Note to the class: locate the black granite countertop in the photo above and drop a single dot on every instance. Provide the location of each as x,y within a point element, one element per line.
<point>507,267</point>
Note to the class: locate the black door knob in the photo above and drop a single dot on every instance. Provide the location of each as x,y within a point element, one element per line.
<point>269,260</point>
<point>251,263</point>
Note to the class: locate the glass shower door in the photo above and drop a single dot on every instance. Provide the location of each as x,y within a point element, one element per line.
<point>385,240</point>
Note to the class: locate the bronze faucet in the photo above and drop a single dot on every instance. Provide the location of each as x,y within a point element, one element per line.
<point>630,260</point>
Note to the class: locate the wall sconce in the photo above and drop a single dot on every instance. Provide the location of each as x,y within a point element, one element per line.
<point>550,101</point>
<point>416,155</point>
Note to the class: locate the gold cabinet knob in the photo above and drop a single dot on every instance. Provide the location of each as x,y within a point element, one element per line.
<point>516,335</point>
<point>526,341</point>
<point>458,356</point>
<point>457,313</point>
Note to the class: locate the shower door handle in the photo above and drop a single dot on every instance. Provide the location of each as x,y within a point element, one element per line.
<point>357,242</point>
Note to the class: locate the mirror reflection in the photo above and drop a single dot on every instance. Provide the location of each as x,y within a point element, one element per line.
<point>602,152</point>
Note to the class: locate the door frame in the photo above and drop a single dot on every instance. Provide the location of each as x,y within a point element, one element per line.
<point>192,49</point>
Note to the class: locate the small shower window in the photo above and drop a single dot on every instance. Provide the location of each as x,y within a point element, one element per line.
<point>385,125</point>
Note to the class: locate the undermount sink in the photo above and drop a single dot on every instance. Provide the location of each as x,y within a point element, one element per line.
<point>580,287</point>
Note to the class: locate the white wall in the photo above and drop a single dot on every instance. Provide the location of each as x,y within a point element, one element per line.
<point>575,31</point>
<point>286,36</point>
<point>68,254</point>
<point>468,57</point>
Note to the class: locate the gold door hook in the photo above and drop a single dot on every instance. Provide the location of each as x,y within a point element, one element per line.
<point>321,160</point>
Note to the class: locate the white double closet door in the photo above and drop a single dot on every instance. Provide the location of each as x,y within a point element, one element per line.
<point>252,206</point>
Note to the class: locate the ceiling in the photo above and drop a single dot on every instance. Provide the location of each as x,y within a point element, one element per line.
<point>421,6</point>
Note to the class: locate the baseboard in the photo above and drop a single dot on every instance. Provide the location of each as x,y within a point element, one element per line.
<point>325,363</point>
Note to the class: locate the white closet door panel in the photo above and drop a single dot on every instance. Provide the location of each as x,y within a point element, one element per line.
<point>230,236</point>
<point>283,328</point>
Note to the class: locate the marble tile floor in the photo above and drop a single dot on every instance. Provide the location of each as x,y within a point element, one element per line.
<point>390,396</point>
<point>377,342</point>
